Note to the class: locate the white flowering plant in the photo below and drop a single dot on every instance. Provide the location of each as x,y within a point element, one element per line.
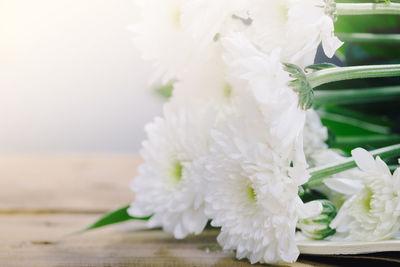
<point>256,138</point>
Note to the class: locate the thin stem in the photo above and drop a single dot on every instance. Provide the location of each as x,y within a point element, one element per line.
<point>369,38</point>
<point>320,173</point>
<point>368,9</point>
<point>318,78</point>
<point>356,96</point>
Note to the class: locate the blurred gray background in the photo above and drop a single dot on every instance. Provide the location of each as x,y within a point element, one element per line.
<point>71,79</point>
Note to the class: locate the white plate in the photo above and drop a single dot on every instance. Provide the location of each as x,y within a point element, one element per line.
<point>315,247</point>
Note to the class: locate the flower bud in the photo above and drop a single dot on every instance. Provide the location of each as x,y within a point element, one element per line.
<point>318,227</point>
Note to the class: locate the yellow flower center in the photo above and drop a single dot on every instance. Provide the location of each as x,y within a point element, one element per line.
<point>175,16</point>
<point>284,12</point>
<point>228,91</point>
<point>251,193</point>
<point>176,172</point>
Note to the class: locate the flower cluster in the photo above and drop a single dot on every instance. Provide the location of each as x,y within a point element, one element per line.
<point>235,142</point>
<point>230,145</point>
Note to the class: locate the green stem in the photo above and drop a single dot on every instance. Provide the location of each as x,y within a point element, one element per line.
<point>320,173</point>
<point>369,38</point>
<point>320,77</point>
<point>368,9</point>
<point>356,96</point>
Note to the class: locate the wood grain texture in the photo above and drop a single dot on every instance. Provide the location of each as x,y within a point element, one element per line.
<point>43,240</point>
<point>45,199</point>
<point>91,183</point>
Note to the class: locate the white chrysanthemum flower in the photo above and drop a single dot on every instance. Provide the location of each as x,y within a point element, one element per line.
<point>161,38</point>
<point>296,26</point>
<point>372,212</point>
<point>256,162</point>
<point>253,190</point>
<point>168,186</point>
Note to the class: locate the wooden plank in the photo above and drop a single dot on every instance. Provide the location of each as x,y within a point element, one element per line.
<point>43,240</point>
<point>45,198</point>
<point>92,183</point>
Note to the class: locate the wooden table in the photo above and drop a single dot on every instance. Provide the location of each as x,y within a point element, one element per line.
<point>45,199</point>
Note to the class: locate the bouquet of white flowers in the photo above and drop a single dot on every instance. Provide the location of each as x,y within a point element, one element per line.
<point>241,143</point>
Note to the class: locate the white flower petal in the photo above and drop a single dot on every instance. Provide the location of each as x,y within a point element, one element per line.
<point>364,160</point>
<point>309,209</point>
<point>344,186</point>
<point>330,42</point>
<point>382,167</point>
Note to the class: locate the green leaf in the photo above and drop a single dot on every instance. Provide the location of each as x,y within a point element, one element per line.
<point>117,216</point>
<point>385,24</point>
<point>374,119</point>
<point>347,144</point>
<point>370,140</point>
<point>342,125</point>
<point>374,8</point>
<point>349,129</point>
<point>311,195</point>
<point>369,38</point>
<point>356,96</point>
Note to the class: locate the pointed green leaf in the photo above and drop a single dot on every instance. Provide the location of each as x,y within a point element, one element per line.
<point>117,216</point>
<point>369,38</point>
<point>343,125</point>
<point>374,119</point>
<point>370,140</point>
<point>356,96</point>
